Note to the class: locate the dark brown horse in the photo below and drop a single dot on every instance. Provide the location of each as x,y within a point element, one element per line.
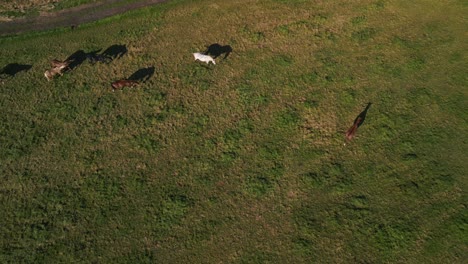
<point>357,123</point>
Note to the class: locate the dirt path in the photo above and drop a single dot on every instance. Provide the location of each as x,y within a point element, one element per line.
<point>71,17</point>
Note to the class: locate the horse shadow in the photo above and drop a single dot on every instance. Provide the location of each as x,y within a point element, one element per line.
<point>76,59</point>
<point>115,51</point>
<point>142,75</point>
<point>107,56</point>
<point>362,115</point>
<point>13,68</point>
<point>94,57</point>
<point>217,50</point>
<point>351,132</point>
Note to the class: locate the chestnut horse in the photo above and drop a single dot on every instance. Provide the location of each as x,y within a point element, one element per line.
<point>123,83</point>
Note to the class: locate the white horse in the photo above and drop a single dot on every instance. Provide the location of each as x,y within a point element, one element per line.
<point>204,58</point>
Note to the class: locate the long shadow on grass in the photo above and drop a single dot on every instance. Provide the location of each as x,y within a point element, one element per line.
<point>13,68</point>
<point>107,56</point>
<point>362,115</point>
<point>115,51</point>
<point>142,75</point>
<point>217,50</point>
<point>77,58</point>
<point>351,132</point>
<point>95,57</point>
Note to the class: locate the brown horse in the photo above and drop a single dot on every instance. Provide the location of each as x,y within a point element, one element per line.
<point>357,123</point>
<point>57,68</point>
<point>49,74</point>
<point>59,64</point>
<point>352,130</point>
<point>123,83</point>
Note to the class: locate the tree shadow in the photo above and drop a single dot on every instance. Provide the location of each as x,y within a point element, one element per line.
<point>76,59</point>
<point>142,75</point>
<point>115,51</point>
<point>217,50</point>
<point>13,68</point>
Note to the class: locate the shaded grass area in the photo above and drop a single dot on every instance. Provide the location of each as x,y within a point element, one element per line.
<point>242,161</point>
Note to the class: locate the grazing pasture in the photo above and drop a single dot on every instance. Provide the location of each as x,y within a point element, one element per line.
<point>242,161</point>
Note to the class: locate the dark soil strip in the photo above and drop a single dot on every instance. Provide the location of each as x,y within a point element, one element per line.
<point>71,17</point>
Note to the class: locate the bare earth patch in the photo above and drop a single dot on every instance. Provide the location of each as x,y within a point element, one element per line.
<point>69,17</point>
<point>5,19</point>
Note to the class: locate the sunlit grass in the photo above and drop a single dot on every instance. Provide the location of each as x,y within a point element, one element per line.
<point>242,161</point>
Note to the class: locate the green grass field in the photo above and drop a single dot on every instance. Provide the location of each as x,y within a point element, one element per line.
<point>242,161</point>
